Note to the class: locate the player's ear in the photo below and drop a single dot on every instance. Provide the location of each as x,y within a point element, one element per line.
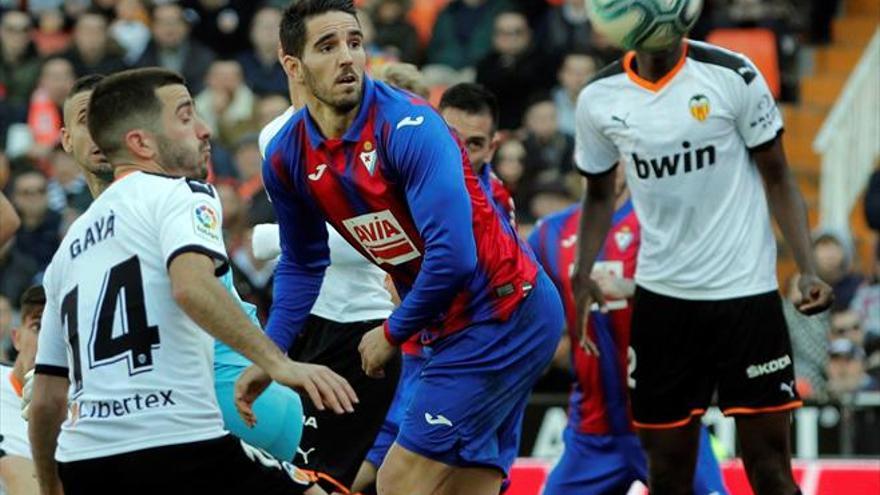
<point>494,143</point>
<point>65,140</point>
<point>16,339</point>
<point>291,66</point>
<point>140,144</point>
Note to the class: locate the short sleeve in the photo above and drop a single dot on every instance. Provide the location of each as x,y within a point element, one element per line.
<point>52,346</point>
<point>594,152</point>
<point>758,119</point>
<point>190,220</point>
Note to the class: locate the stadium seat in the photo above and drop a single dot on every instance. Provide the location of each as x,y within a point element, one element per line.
<point>756,43</point>
<point>422,15</point>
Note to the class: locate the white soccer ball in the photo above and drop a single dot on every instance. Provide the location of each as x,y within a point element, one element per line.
<point>648,25</point>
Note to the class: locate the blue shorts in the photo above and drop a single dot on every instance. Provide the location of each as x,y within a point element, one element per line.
<point>606,465</point>
<point>279,414</point>
<point>409,374</point>
<point>467,404</point>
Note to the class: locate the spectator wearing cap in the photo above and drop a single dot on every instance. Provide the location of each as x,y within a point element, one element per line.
<point>513,71</point>
<point>834,257</point>
<point>846,369</point>
<point>262,71</point>
<point>93,50</point>
<point>574,73</point>
<point>19,63</point>
<point>462,35</point>
<point>173,49</point>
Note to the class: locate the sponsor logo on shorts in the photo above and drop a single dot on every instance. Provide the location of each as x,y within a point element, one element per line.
<point>778,364</point>
<point>382,237</point>
<point>437,420</point>
<point>305,454</point>
<point>115,408</point>
<point>788,387</point>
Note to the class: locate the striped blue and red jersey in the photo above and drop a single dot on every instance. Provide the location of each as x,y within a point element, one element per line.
<point>498,193</point>
<point>598,404</point>
<point>399,188</point>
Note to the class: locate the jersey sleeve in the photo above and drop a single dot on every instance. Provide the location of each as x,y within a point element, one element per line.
<point>758,119</point>
<point>51,346</point>
<point>429,162</point>
<point>534,241</point>
<point>304,257</point>
<point>594,152</point>
<point>190,220</point>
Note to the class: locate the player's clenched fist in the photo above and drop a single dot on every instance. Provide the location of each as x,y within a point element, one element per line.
<point>586,292</point>
<point>375,352</point>
<point>324,387</point>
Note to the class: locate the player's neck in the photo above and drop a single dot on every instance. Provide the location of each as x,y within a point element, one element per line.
<point>120,170</point>
<point>331,123</point>
<point>96,185</point>
<point>652,66</point>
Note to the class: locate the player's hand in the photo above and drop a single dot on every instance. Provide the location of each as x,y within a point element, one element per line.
<point>816,295</point>
<point>375,352</point>
<point>586,292</point>
<point>248,387</point>
<point>27,394</point>
<point>323,385</point>
<point>612,286</point>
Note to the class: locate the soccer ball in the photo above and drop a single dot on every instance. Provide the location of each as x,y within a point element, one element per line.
<point>648,25</point>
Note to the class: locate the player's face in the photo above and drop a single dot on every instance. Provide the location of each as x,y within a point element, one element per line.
<point>77,141</point>
<point>184,141</point>
<point>476,131</point>
<point>333,60</point>
<point>26,337</point>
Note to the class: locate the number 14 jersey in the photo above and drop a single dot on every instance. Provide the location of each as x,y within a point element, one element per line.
<point>140,369</point>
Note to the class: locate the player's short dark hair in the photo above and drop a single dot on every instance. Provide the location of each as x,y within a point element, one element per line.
<point>471,98</point>
<point>85,83</point>
<point>32,300</point>
<point>124,101</point>
<point>295,16</point>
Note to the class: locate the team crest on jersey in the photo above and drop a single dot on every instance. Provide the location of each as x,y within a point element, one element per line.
<point>382,237</point>
<point>623,238</point>
<point>368,157</point>
<point>700,108</point>
<point>206,222</point>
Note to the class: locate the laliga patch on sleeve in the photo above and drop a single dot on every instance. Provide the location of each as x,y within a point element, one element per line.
<point>206,222</point>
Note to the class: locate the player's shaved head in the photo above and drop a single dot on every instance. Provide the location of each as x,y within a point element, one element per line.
<point>296,15</point>
<point>125,101</point>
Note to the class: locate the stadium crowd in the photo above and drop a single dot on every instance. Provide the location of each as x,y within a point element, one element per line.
<point>534,55</point>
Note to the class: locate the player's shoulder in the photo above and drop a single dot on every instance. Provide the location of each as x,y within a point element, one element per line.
<point>557,219</point>
<point>721,59</point>
<point>273,130</point>
<point>401,112</point>
<point>606,77</point>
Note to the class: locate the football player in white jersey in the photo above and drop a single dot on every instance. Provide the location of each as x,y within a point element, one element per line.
<point>128,294</point>
<point>699,134</point>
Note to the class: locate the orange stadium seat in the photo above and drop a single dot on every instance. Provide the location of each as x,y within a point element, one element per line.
<point>756,43</point>
<point>422,15</point>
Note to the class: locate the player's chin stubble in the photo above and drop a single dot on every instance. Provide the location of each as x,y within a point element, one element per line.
<point>342,104</point>
<point>176,159</point>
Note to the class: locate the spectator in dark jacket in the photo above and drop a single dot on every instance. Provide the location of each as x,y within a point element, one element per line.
<point>223,24</point>
<point>262,71</point>
<point>463,32</point>
<point>834,258</point>
<point>393,32</point>
<point>514,72</point>
<point>93,52</point>
<point>19,63</point>
<point>173,49</point>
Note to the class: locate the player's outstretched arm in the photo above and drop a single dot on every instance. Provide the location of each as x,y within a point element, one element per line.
<point>9,221</point>
<point>47,411</point>
<point>598,209</point>
<point>205,300</point>
<point>788,208</point>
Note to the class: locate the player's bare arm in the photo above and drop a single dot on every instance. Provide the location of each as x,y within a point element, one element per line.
<point>788,208</point>
<point>206,301</point>
<point>598,205</point>
<point>47,411</point>
<point>9,221</point>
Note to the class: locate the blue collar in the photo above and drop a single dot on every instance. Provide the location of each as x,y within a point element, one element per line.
<point>353,134</point>
<point>623,211</point>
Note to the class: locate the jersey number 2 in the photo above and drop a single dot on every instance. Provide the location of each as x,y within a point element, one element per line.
<point>123,285</point>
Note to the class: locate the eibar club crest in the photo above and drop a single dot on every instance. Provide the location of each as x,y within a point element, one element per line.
<point>623,238</point>
<point>700,108</point>
<point>368,157</point>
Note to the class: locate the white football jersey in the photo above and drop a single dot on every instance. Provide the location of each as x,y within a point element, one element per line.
<point>685,142</point>
<point>13,429</point>
<point>353,289</point>
<point>140,370</point>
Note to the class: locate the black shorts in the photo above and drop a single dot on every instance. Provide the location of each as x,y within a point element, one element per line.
<point>685,350</point>
<point>221,465</point>
<point>333,446</point>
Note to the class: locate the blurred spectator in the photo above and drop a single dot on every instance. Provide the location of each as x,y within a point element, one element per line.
<point>234,213</point>
<point>44,113</point>
<point>822,14</point>
<point>253,277</point>
<point>834,253</point>
<point>173,49</point>
<point>574,73</point>
<point>226,104</point>
<point>249,164</point>
<point>847,324</point>
<point>514,72</point>
<point>510,165</point>
<point>19,63</point>
<point>130,29</point>
<point>565,28</point>
<point>463,33</point>
<point>93,51</point>
<point>846,369</point>
<point>547,198</point>
<point>67,191</point>
<point>9,220</point>
<point>222,24</point>
<point>866,302</point>
<point>393,32</point>
<point>262,71</point>
<point>51,37</point>
<point>404,76</point>
<point>549,152</point>
<point>39,233</point>
<point>269,107</point>
<point>7,354</point>
<point>872,203</point>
